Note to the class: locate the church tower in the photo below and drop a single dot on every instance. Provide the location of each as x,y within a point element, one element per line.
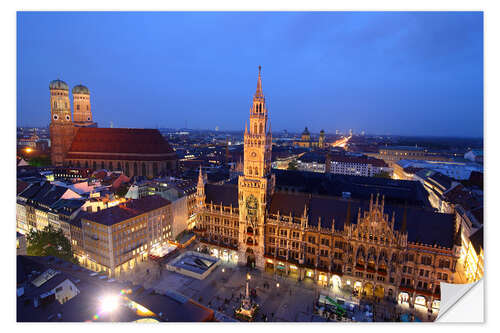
<point>256,185</point>
<point>61,126</point>
<point>82,115</point>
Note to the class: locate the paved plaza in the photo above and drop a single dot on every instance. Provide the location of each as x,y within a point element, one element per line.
<point>279,298</point>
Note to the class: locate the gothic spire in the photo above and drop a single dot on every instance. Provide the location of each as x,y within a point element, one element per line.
<point>258,92</point>
<point>200,177</point>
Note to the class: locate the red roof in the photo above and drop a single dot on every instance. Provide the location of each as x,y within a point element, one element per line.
<point>124,141</point>
<point>127,210</point>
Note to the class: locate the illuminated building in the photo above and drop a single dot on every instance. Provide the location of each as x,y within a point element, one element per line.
<point>61,125</point>
<point>395,251</point>
<point>356,165</point>
<point>392,154</point>
<point>81,104</point>
<point>117,238</point>
<point>474,256</point>
<point>79,143</point>
<point>306,141</point>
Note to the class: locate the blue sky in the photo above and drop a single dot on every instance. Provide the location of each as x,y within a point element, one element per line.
<point>383,72</point>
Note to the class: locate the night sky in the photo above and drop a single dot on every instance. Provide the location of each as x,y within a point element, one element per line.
<point>385,73</point>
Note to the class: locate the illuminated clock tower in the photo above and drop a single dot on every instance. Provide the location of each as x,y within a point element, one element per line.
<point>256,185</point>
<point>61,124</point>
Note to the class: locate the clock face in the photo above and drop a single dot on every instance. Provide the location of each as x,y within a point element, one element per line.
<point>253,154</point>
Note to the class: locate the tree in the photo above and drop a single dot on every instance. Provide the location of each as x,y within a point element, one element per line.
<point>293,165</point>
<point>122,190</point>
<point>49,242</point>
<point>40,161</point>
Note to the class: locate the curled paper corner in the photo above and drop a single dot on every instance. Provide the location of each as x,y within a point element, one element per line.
<point>457,306</point>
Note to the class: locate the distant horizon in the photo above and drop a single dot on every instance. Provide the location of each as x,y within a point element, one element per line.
<point>403,73</point>
<point>281,131</point>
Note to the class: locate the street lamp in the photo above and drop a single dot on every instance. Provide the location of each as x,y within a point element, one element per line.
<point>248,276</point>
<point>278,284</point>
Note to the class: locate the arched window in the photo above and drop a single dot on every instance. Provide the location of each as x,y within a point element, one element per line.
<point>86,164</point>
<point>78,106</point>
<point>110,166</point>
<point>261,128</point>
<point>256,171</point>
<point>135,169</point>
<point>144,169</point>
<point>55,104</point>
<point>250,170</point>
<point>87,107</point>
<point>255,129</point>
<point>94,165</point>
<point>119,166</point>
<point>78,163</point>
<point>102,164</point>
<point>126,169</point>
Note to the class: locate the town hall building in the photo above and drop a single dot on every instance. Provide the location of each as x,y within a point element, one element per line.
<point>376,247</point>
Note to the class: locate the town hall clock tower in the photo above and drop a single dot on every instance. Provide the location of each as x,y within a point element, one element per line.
<point>256,185</point>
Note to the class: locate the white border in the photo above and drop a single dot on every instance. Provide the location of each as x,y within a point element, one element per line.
<point>8,64</point>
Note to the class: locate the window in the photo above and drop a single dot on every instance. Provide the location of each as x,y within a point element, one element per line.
<point>425,260</point>
<point>444,263</point>
<point>58,289</point>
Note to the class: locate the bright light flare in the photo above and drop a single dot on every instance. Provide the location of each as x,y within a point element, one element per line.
<point>29,150</point>
<point>109,303</point>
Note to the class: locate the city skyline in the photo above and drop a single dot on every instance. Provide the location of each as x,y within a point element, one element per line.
<point>426,61</point>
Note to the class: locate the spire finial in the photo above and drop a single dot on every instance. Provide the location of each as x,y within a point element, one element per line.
<point>259,93</point>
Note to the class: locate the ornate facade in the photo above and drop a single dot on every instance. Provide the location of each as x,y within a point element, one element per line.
<point>399,252</point>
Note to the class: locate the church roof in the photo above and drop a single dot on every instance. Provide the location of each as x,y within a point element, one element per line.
<point>80,89</point>
<point>58,84</point>
<point>92,142</point>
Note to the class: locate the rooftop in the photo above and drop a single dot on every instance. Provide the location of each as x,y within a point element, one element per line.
<point>359,187</point>
<point>90,141</point>
<point>423,225</point>
<point>127,210</point>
